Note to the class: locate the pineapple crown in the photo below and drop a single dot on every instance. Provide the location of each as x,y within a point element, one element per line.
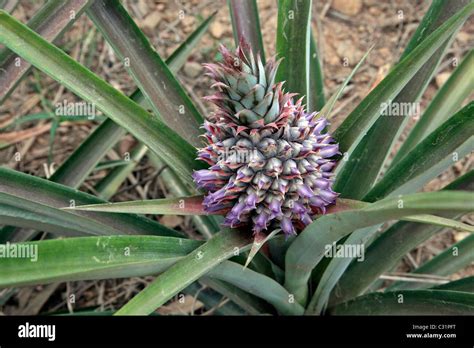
<point>270,162</point>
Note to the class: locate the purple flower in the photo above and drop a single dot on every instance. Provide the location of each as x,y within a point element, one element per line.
<point>285,182</point>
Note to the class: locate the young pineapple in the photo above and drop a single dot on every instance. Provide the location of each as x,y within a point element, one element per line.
<point>269,160</point>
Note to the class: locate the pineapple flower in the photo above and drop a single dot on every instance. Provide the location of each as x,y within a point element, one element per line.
<point>270,162</point>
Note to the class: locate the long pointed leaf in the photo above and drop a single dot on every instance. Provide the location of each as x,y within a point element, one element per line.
<point>154,133</point>
<point>152,76</point>
<point>174,206</point>
<point>43,194</point>
<point>50,22</point>
<point>448,143</point>
<point>48,221</point>
<point>444,104</point>
<point>336,268</point>
<point>308,248</point>
<point>109,185</point>
<point>24,213</point>
<point>293,44</point>
<point>246,25</point>
<point>397,241</point>
<point>258,285</point>
<point>451,260</point>
<point>206,225</point>
<point>183,273</point>
<point>111,257</point>
<point>316,98</point>
<point>93,258</point>
<point>251,304</point>
<point>326,110</point>
<point>76,168</point>
<point>360,172</point>
<point>464,285</point>
<point>423,302</point>
<point>80,164</point>
<point>354,127</point>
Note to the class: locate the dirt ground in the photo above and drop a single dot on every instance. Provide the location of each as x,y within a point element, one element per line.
<point>344,30</point>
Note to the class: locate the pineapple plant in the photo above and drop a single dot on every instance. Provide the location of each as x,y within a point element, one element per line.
<point>273,190</point>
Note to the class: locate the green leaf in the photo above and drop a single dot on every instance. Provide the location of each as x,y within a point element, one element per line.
<point>336,268</point>
<point>50,22</point>
<point>278,246</point>
<point>448,99</point>
<point>258,285</point>
<point>293,45</point>
<point>251,304</point>
<point>434,155</point>
<point>22,212</point>
<point>448,143</point>
<point>356,125</point>
<point>109,185</point>
<point>40,196</point>
<point>260,263</point>
<point>213,300</point>
<point>222,246</point>
<point>47,116</point>
<point>440,221</point>
<point>165,206</point>
<point>206,225</point>
<point>246,25</point>
<point>464,285</point>
<point>48,220</point>
<point>326,110</point>
<point>8,232</point>
<point>259,240</point>
<point>363,167</point>
<point>153,77</point>
<point>316,98</point>
<point>111,164</point>
<point>438,12</point>
<point>333,271</point>
<point>89,258</point>
<point>451,260</point>
<point>308,248</point>
<point>397,241</point>
<point>148,129</point>
<point>79,165</point>
<point>422,302</point>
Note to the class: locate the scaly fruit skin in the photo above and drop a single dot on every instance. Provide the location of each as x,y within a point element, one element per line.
<point>269,162</point>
